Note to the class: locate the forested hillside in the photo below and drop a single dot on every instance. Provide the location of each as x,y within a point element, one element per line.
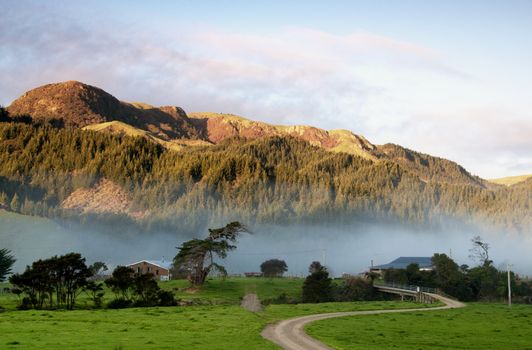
<point>266,180</point>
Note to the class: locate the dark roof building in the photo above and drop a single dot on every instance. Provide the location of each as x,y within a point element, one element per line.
<point>424,263</point>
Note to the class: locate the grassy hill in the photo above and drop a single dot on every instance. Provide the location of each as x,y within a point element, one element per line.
<point>510,180</point>
<point>120,128</point>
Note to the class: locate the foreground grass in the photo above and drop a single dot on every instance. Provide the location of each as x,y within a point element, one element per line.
<point>214,327</point>
<point>203,327</point>
<point>221,325</point>
<point>478,326</point>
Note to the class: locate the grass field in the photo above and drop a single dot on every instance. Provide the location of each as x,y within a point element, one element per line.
<point>231,290</point>
<point>478,326</point>
<point>225,325</point>
<point>204,327</point>
<point>222,326</point>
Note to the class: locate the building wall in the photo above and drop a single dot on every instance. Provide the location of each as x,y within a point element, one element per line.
<point>145,267</point>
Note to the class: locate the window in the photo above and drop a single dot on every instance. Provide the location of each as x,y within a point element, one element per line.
<point>138,269</point>
<point>157,272</point>
<point>148,269</point>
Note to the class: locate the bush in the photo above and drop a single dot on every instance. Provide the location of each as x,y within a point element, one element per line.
<point>25,304</point>
<point>166,298</point>
<point>119,303</point>
<point>355,289</point>
<point>146,290</point>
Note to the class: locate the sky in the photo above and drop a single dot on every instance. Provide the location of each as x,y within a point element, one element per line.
<point>448,78</point>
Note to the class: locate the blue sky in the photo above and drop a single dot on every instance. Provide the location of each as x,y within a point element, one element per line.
<point>450,78</point>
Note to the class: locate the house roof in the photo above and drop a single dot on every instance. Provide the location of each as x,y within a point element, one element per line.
<point>403,261</point>
<point>160,263</point>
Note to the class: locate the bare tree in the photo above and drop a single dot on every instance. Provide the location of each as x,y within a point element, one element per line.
<point>480,251</point>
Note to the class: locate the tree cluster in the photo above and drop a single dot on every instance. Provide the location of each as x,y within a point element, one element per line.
<point>273,268</point>
<point>53,283</point>
<point>136,289</point>
<point>319,287</point>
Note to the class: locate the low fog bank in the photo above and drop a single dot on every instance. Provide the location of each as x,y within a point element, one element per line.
<point>31,238</point>
<point>346,249</point>
<point>352,249</point>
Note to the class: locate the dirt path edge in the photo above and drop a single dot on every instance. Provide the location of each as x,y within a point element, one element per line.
<point>290,334</point>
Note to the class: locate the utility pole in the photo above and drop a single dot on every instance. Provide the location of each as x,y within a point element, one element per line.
<point>509,286</point>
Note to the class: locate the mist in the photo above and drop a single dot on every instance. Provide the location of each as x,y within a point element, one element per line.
<point>352,249</point>
<point>343,249</point>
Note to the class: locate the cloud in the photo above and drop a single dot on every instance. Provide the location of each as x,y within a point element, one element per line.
<point>386,89</point>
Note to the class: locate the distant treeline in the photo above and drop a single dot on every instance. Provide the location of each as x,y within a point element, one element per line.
<point>483,282</point>
<point>270,180</point>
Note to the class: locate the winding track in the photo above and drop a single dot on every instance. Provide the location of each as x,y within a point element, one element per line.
<point>290,334</point>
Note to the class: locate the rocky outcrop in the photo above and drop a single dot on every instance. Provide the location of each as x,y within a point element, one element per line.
<point>215,127</point>
<point>77,105</point>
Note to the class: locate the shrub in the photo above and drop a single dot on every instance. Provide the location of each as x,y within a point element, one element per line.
<point>119,303</point>
<point>25,304</point>
<point>355,289</point>
<point>166,298</point>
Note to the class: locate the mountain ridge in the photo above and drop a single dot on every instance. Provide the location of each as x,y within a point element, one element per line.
<point>77,105</point>
<point>80,105</point>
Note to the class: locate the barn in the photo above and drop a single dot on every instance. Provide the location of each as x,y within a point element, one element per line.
<point>159,268</point>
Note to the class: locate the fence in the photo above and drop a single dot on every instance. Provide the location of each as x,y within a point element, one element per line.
<point>406,287</point>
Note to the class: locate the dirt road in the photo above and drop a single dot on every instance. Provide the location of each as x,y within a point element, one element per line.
<point>290,334</point>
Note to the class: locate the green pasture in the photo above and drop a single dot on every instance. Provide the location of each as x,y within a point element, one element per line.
<point>198,327</point>
<point>231,290</point>
<point>221,325</point>
<point>477,326</point>
<point>218,322</point>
